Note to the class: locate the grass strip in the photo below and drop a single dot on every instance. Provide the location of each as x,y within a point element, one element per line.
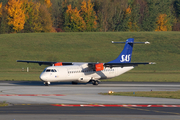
<point>3,104</point>
<point>19,76</point>
<point>156,94</point>
<point>89,47</point>
<point>127,77</point>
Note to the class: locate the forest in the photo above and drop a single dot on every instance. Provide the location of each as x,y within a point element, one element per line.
<point>34,16</point>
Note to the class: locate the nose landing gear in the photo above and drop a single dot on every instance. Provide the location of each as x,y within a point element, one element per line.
<point>46,83</point>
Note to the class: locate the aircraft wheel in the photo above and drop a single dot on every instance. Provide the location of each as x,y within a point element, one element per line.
<point>95,82</point>
<point>74,83</point>
<point>46,84</point>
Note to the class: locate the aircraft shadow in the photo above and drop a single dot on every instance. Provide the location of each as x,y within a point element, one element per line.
<point>39,83</point>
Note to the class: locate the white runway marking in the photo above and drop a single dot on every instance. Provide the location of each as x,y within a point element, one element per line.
<point>112,105</point>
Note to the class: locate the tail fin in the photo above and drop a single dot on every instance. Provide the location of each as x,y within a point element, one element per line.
<point>125,56</point>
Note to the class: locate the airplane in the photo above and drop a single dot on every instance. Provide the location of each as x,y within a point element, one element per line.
<point>85,72</point>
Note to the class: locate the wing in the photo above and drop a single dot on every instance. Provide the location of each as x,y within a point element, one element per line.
<point>45,62</point>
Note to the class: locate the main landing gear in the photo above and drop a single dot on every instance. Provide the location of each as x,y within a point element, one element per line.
<point>74,83</point>
<point>95,82</point>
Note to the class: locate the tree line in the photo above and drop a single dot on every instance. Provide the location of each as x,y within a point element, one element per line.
<point>24,16</point>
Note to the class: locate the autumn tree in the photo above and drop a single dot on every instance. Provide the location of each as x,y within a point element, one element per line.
<point>32,16</point>
<point>0,15</point>
<point>104,14</point>
<point>150,17</point>
<point>4,27</point>
<point>73,21</point>
<point>62,19</point>
<point>0,9</point>
<point>125,22</point>
<point>89,15</point>
<point>16,16</point>
<point>142,4</point>
<point>28,7</point>
<point>48,3</point>
<point>59,8</point>
<point>37,21</point>
<point>167,8</point>
<point>118,11</point>
<point>161,23</point>
<point>3,2</point>
<point>177,7</point>
<point>45,19</point>
<point>134,17</point>
<point>38,18</point>
<point>176,24</point>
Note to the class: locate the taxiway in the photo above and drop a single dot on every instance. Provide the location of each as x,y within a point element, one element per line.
<point>33,100</point>
<point>65,93</point>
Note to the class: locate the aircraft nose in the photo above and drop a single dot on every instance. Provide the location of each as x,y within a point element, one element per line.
<point>43,77</point>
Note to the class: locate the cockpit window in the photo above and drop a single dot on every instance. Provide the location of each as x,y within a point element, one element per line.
<point>50,70</point>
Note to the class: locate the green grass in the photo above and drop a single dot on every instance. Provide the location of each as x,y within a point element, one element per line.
<point>20,76</point>
<point>3,104</point>
<point>128,77</point>
<point>147,77</point>
<point>157,94</point>
<point>91,47</point>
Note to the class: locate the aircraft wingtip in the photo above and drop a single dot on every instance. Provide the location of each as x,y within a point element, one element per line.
<point>152,63</point>
<point>147,42</point>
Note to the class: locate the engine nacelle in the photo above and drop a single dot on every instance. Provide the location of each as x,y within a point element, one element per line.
<point>58,64</point>
<point>99,66</point>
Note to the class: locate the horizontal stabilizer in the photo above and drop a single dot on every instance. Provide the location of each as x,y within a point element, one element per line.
<point>131,42</point>
<point>92,65</point>
<point>126,64</point>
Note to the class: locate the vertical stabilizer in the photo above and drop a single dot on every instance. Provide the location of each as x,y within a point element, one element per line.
<point>125,56</point>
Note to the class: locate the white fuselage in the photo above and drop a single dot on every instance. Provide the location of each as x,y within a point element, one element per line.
<point>79,73</point>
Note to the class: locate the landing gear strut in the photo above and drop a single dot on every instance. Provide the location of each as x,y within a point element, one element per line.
<point>95,82</point>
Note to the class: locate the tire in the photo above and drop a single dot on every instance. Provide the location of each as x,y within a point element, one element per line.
<point>95,82</point>
<point>74,83</point>
<point>46,84</point>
